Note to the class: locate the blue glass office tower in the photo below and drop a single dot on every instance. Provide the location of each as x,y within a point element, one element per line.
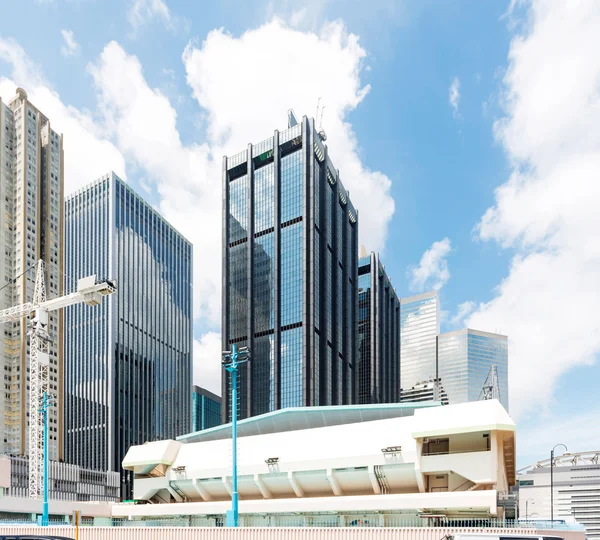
<point>465,358</point>
<point>128,361</point>
<point>378,334</point>
<point>289,273</point>
<point>206,409</point>
<point>419,328</point>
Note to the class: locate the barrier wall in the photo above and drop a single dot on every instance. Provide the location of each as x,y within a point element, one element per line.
<point>270,533</point>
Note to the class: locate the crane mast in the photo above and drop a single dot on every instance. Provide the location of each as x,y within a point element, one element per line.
<point>90,292</point>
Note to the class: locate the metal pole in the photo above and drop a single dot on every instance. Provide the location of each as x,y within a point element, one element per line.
<point>45,416</point>
<point>552,485</point>
<point>234,494</point>
<point>526,509</point>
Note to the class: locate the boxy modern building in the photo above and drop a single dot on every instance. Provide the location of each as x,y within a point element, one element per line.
<point>401,459</point>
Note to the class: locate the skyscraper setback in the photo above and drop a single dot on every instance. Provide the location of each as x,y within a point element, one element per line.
<point>31,191</point>
<point>290,273</point>
<point>129,360</point>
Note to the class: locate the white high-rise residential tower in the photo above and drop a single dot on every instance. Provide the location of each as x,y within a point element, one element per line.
<point>31,221</point>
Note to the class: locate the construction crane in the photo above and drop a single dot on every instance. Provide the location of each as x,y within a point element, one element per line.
<point>491,387</point>
<point>89,292</point>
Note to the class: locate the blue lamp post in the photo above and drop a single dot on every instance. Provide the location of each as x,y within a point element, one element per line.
<point>231,360</point>
<point>46,404</point>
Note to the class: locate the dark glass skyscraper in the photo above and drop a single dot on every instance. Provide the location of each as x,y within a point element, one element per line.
<point>378,334</point>
<point>206,409</point>
<point>128,361</point>
<point>289,273</point>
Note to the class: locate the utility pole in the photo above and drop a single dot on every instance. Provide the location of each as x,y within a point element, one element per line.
<point>46,404</point>
<point>231,360</point>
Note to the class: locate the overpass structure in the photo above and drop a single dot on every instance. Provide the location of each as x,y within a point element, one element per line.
<point>410,459</point>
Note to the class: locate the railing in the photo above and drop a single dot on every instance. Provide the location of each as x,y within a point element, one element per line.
<point>454,452</point>
<point>309,521</point>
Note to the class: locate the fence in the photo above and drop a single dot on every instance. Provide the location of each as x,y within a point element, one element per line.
<point>271,533</point>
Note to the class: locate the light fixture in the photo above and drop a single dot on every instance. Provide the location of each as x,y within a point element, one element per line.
<point>272,460</point>
<point>391,450</point>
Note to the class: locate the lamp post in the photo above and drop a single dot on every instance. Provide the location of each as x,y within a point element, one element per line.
<point>527,508</point>
<point>46,404</point>
<point>552,480</point>
<point>231,360</point>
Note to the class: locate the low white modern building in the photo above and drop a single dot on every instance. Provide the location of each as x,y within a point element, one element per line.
<point>576,490</point>
<point>409,459</point>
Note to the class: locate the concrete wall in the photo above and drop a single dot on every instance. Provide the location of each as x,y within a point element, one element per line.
<point>197,533</point>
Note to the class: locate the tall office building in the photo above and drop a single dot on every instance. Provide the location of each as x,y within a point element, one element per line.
<point>465,360</point>
<point>31,191</point>
<point>419,328</point>
<point>378,334</point>
<point>206,409</point>
<point>128,361</point>
<point>289,273</point>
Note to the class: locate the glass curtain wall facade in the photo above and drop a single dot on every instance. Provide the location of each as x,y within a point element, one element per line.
<point>378,334</point>
<point>129,360</point>
<point>31,194</point>
<point>206,409</point>
<point>465,358</point>
<point>290,274</point>
<point>419,328</point>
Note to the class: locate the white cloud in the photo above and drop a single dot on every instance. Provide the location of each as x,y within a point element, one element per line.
<point>188,177</point>
<point>88,155</point>
<point>464,309</point>
<point>432,272</point>
<point>71,47</point>
<point>144,11</point>
<point>548,209</point>
<point>236,117</point>
<point>579,432</point>
<point>454,96</point>
<point>207,362</point>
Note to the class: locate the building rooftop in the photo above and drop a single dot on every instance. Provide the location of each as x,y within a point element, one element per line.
<point>297,418</point>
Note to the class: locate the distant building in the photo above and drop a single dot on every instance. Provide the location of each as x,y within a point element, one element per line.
<point>206,409</point>
<point>419,328</point>
<point>465,360</point>
<point>378,334</point>
<point>128,361</point>
<point>66,482</point>
<point>290,267</point>
<point>431,390</point>
<point>351,462</point>
<point>576,491</point>
<point>31,221</point>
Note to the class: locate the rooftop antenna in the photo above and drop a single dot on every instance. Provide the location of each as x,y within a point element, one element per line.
<point>317,115</point>
<point>322,134</point>
<point>292,121</point>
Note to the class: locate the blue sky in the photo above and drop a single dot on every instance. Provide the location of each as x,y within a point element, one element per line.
<point>145,87</point>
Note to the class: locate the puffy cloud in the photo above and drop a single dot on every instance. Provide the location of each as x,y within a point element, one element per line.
<point>432,272</point>
<point>464,309</point>
<point>71,47</point>
<point>144,11</point>
<point>207,362</point>
<point>454,96</point>
<point>548,209</point>
<point>246,103</point>
<point>88,154</point>
<point>188,177</point>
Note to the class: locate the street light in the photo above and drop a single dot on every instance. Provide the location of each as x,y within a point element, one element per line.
<point>552,480</point>
<point>527,509</point>
<point>231,360</point>
<point>47,402</point>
